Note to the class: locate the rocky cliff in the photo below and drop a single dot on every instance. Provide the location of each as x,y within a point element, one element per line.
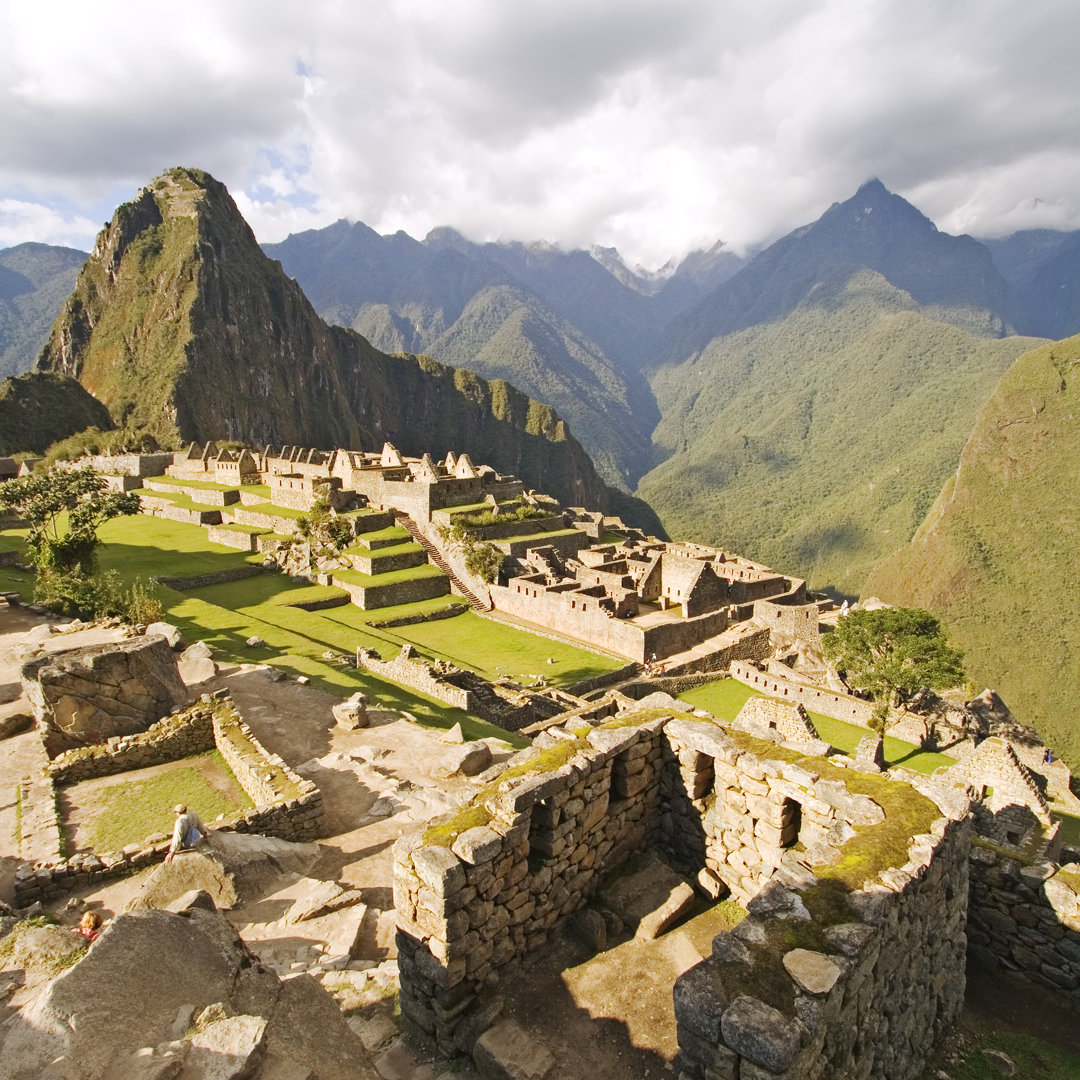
<point>186,330</point>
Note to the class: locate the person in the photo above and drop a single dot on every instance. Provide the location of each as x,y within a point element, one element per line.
<point>89,926</point>
<point>188,832</point>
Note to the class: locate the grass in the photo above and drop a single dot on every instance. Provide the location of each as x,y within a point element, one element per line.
<point>226,615</point>
<point>367,581</point>
<point>262,490</point>
<point>390,532</point>
<point>131,810</point>
<point>178,498</point>
<point>406,548</point>
<point>725,698</point>
<point>1032,1056</point>
<point>203,485</point>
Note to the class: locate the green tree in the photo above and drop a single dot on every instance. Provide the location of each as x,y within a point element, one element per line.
<point>893,654</point>
<point>326,533</point>
<point>64,510</point>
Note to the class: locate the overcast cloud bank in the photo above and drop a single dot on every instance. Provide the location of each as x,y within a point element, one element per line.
<point>652,127</point>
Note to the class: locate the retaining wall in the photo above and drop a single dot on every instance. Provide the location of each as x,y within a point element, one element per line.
<point>838,706</point>
<point>1025,917</point>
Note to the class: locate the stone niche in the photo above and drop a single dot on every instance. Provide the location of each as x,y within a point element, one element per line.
<point>88,696</point>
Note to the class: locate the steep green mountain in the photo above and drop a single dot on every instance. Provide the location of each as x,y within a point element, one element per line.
<point>557,324</point>
<point>186,330</point>
<point>40,408</point>
<point>814,403</point>
<point>34,279</point>
<point>999,551</point>
<point>504,329</point>
<point>952,278</point>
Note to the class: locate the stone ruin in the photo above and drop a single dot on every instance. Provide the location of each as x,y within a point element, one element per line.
<point>795,991</point>
<point>90,695</point>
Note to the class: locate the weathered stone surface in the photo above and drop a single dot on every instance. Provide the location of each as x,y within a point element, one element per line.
<point>88,695</point>
<point>468,759</point>
<point>228,1049</point>
<point>321,898</point>
<point>196,664</point>
<point>649,896</point>
<point>169,632</point>
<point>814,972</point>
<point>507,1052</point>
<point>760,1033</point>
<point>234,868</point>
<point>352,713</point>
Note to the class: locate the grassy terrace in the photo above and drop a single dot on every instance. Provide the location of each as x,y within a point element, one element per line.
<point>367,581</point>
<point>226,615</point>
<point>178,498</point>
<point>391,532</point>
<point>383,552</point>
<point>272,511</point>
<point>204,485</point>
<point>725,698</point>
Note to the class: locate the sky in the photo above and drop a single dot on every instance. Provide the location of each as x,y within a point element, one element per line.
<point>653,126</point>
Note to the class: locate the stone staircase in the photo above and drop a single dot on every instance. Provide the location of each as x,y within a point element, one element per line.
<point>436,556</point>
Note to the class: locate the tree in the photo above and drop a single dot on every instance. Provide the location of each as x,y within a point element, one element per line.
<point>893,654</point>
<point>325,533</point>
<point>64,510</point>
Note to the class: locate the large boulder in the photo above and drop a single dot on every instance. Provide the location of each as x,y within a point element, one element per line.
<point>87,696</point>
<point>162,992</point>
<point>232,869</point>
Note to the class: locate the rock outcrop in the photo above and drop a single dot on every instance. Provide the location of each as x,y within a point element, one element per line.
<point>164,993</point>
<point>90,695</point>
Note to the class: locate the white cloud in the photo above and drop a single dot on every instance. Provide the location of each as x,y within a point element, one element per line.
<point>22,222</point>
<point>627,122</point>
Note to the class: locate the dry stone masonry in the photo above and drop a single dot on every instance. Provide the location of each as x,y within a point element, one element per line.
<point>286,805</point>
<point>479,890</point>
<point>89,695</point>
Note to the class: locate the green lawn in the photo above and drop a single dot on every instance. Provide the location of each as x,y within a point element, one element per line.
<point>177,498</point>
<point>1032,1056</point>
<point>129,811</point>
<point>204,485</point>
<point>725,698</point>
<point>226,615</point>
<point>367,581</point>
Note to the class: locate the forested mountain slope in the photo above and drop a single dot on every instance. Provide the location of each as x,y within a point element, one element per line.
<point>818,442</point>
<point>186,330</point>
<point>998,556</point>
<point>34,280</point>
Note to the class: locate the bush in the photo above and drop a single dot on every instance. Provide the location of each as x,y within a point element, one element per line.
<point>484,561</point>
<point>77,594</point>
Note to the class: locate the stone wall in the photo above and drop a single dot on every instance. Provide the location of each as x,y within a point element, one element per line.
<point>1025,917</point>
<point>406,669</point>
<point>478,890</point>
<point>286,805</point>
<point>409,591</point>
<point>206,496</point>
<point>247,515</point>
<point>797,622</point>
<point>241,539</point>
<point>838,706</point>
<point>216,577</point>
<point>86,696</point>
<point>372,563</point>
<point>190,731</point>
<point>153,506</point>
<point>819,983</point>
<point>472,901</point>
<point>580,615</point>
